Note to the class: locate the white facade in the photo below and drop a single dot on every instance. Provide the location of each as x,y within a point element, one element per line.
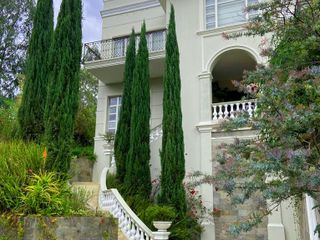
<point>205,57</point>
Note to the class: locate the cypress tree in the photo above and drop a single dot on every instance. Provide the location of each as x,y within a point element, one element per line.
<point>32,107</point>
<point>137,179</point>
<point>172,153</point>
<point>63,87</point>
<point>122,138</point>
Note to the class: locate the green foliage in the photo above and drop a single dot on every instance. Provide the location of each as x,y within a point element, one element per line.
<point>88,152</point>
<point>16,24</point>
<point>17,161</point>
<point>187,228</point>
<point>47,195</point>
<point>159,213</point>
<point>137,179</point>
<point>86,117</point>
<point>112,181</point>
<point>44,194</point>
<point>172,153</point>
<point>63,87</point>
<point>33,102</point>
<point>122,138</point>
<point>9,119</point>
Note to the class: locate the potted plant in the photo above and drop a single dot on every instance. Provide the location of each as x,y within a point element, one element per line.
<point>160,216</point>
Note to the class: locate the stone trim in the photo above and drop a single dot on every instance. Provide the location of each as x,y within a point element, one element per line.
<point>130,8</point>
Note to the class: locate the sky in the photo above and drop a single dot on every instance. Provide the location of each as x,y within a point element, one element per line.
<point>91,24</point>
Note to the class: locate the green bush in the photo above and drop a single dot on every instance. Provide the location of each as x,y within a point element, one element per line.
<point>48,195</point>
<point>112,182</point>
<point>79,151</point>
<point>158,213</point>
<point>187,228</point>
<point>8,119</point>
<point>17,161</point>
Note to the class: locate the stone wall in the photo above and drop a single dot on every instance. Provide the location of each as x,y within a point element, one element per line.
<point>63,228</point>
<point>230,214</point>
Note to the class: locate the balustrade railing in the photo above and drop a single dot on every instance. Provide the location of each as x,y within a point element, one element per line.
<point>131,226</point>
<point>224,110</point>
<point>116,48</point>
<point>156,133</point>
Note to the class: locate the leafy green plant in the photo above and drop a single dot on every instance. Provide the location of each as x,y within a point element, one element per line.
<point>17,161</point>
<point>46,194</point>
<point>112,181</point>
<point>158,213</point>
<point>8,119</point>
<point>88,152</point>
<point>187,228</point>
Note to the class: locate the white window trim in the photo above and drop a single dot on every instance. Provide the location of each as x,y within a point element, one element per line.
<point>216,23</point>
<point>118,107</point>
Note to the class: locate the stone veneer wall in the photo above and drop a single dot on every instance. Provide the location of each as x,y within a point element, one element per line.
<point>63,228</point>
<point>229,214</point>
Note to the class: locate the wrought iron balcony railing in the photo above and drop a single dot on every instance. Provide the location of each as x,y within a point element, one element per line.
<point>116,48</point>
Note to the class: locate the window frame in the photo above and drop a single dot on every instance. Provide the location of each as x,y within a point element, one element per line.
<point>117,113</point>
<point>215,24</point>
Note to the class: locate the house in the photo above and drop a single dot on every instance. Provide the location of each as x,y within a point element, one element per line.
<point>208,63</point>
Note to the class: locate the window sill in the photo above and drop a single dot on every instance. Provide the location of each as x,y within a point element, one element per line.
<point>225,29</point>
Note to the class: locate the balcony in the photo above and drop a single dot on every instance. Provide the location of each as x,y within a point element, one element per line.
<point>226,110</point>
<point>106,58</point>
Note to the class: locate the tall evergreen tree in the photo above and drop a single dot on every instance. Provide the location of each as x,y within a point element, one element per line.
<point>31,112</point>
<point>122,139</point>
<point>137,179</point>
<point>63,87</point>
<point>172,153</point>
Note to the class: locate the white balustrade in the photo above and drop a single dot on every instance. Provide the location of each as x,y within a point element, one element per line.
<point>131,226</point>
<point>156,133</point>
<point>225,110</point>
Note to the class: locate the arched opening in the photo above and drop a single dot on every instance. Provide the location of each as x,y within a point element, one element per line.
<point>229,66</point>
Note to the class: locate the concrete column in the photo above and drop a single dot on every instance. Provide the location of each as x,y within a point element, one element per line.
<point>205,129</point>
<point>205,80</point>
<point>275,225</point>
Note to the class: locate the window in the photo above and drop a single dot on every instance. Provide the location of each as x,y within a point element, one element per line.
<point>157,41</point>
<point>114,105</point>
<point>119,46</point>
<point>221,13</point>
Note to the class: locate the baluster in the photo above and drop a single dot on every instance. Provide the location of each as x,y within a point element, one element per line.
<point>122,220</point>
<point>214,112</point>
<point>142,237</point>
<point>220,113</point>
<point>137,236</point>
<point>249,109</point>
<point>226,111</point>
<point>133,231</point>
<point>128,226</point>
<point>232,110</point>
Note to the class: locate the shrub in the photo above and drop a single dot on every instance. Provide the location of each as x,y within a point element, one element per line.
<point>8,119</point>
<point>87,152</point>
<point>17,161</point>
<point>48,195</point>
<point>158,213</point>
<point>187,228</point>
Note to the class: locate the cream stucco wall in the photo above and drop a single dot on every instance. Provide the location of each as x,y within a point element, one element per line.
<point>109,90</point>
<point>199,51</point>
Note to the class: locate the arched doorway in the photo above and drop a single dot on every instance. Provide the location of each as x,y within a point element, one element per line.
<point>228,66</point>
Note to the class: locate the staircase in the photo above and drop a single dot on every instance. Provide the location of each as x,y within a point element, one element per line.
<point>110,200</point>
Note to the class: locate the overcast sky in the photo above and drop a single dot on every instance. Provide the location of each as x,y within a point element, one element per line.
<point>91,24</point>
